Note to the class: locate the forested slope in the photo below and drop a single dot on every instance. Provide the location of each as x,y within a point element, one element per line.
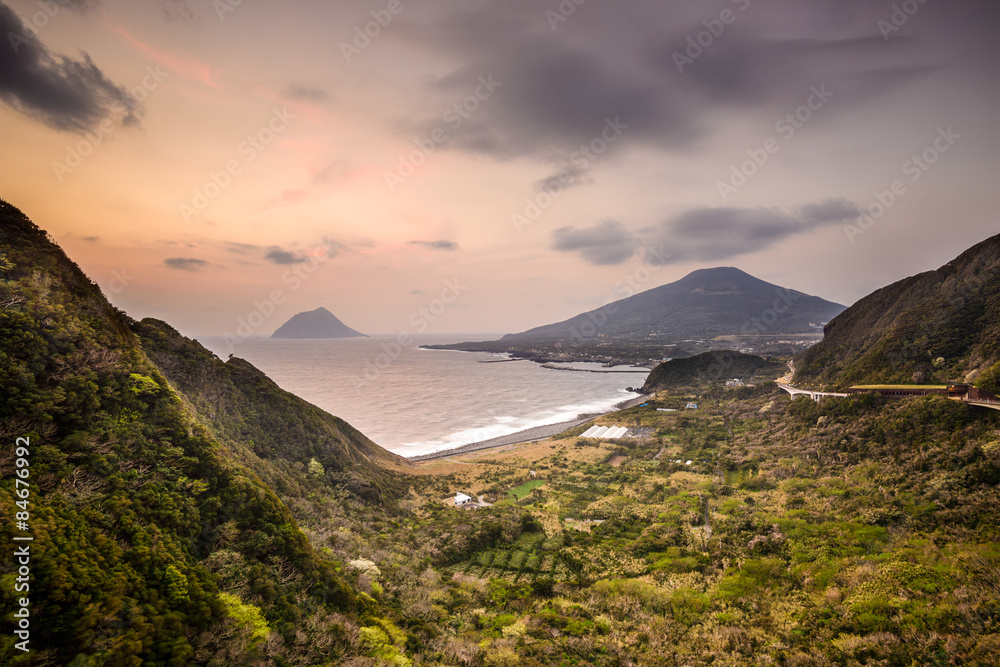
<point>141,519</point>
<point>938,326</point>
<point>259,421</point>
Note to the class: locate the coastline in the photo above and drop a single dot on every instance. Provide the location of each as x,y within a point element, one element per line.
<point>527,435</point>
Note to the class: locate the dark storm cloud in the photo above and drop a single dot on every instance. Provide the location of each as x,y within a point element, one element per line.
<point>752,70</point>
<point>185,263</point>
<point>713,234</point>
<point>278,255</point>
<point>606,243</point>
<point>618,60</point>
<point>437,245</point>
<point>703,234</point>
<point>551,96</point>
<point>64,93</point>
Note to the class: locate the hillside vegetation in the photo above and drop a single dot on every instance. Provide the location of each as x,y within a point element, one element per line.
<point>936,327</point>
<point>710,368</point>
<point>153,542</point>
<point>755,531</point>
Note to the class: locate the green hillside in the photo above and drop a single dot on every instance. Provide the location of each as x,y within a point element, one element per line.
<point>936,327</point>
<point>709,368</point>
<point>155,539</point>
<point>268,429</point>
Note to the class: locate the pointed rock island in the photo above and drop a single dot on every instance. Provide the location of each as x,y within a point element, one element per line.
<point>319,323</point>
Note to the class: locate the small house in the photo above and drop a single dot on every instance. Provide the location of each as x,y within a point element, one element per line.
<point>462,499</point>
<point>691,406</point>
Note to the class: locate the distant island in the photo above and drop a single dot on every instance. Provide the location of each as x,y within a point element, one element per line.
<point>319,323</point>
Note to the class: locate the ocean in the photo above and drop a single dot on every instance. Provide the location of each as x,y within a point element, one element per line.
<point>414,401</point>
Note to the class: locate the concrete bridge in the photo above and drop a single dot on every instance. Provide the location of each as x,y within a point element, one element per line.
<point>983,403</point>
<point>814,395</point>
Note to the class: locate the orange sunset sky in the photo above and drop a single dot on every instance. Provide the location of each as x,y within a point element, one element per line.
<point>197,157</point>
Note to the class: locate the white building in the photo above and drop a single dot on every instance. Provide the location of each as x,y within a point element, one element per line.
<point>461,499</point>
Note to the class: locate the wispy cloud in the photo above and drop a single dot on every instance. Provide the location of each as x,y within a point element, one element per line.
<point>305,93</point>
<point>281,256</point>
<point>185,263</point>
<point>437,245</point>
<point>240,248</point>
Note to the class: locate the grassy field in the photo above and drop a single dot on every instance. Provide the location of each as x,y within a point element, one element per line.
<point>519,492</point>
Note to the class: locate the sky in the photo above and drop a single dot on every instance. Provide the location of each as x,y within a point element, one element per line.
<point>419,166</point>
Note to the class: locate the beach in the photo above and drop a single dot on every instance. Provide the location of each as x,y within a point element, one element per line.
<point>527,435</point>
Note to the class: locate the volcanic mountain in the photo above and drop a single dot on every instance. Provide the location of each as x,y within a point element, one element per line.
<point>319,323</point>
<point>703,304</point>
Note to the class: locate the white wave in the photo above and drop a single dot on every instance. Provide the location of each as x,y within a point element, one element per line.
<point>507,425</point>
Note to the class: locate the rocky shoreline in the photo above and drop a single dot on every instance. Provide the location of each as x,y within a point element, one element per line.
<point>527,435</point>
